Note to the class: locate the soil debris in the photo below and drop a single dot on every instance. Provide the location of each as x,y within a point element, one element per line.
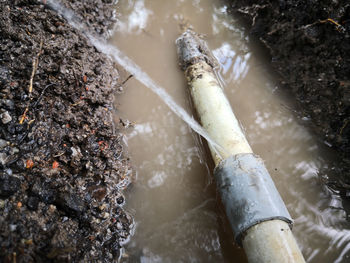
<point>62,162</point>
<point>309,45</point>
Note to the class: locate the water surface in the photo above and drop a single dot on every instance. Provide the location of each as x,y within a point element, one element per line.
<point>177,214</point>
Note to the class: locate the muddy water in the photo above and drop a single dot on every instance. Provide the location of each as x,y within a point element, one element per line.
<point>173,200</point>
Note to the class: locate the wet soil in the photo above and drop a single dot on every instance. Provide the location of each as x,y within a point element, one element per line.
<point>309,47</point>
<point>62,162</point>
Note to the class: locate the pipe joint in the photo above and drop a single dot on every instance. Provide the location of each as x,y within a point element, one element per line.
<point>248,193</point>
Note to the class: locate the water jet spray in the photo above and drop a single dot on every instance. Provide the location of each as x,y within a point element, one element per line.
<point>136,71</point>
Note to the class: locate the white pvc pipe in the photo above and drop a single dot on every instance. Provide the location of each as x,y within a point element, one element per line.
<point>271,241</point>
<point>267,242</point>
<point>215,113</point>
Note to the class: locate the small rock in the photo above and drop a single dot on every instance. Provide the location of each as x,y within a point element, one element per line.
<point>71,203</point>
<point>5,117</point>
<point>105,215</point>
<point>33,203</point>
<point>9,104</point>
<point>3,144</point>
<point>9,185</point>
<point>2,204</point>
<point>3,158</point>
<point>52,208</point>
<point>44,192</point>
<point>102,207</point>
<point>9,171</point>
<point>98,192</point>
<point>120,200</point>
<point>14,150</point>
<point>74,152</point>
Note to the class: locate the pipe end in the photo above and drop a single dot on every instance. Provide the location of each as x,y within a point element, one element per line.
<point>191,49</point>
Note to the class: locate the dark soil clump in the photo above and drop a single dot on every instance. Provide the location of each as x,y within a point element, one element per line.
<point>309,44</point>
<point>99,15</point>
<point>62,163</point>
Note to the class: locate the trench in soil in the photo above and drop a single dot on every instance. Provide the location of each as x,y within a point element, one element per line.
<point>173,199</point>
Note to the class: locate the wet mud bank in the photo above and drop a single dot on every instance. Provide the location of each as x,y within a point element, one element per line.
<point>309,47</point>
<point>62,162</point>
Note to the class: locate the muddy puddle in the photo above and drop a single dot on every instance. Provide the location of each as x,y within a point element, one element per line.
<point>173,200</point>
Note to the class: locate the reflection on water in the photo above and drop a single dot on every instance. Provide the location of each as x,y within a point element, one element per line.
<point>230,61</point>
<point>178,217</point>
<point>137,18</point>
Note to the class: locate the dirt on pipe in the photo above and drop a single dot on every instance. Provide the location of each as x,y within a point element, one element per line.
<point>62,161</point>
<point>309,46</point>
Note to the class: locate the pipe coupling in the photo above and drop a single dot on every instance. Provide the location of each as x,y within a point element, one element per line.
<point>248,193</point>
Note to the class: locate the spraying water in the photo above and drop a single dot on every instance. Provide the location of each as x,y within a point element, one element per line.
<point>136,71</point>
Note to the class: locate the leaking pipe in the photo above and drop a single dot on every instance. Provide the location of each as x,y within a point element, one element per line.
<point>258,217</point>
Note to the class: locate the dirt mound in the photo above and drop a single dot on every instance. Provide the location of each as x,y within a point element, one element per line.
<point>309,43</point>
<point>62,161</point>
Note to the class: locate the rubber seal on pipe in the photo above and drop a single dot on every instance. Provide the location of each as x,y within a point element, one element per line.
<point>248,193</point>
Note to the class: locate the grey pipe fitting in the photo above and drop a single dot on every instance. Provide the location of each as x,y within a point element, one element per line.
<point>248,193</point>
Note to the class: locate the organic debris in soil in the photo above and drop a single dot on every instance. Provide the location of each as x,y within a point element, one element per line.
<point>62,163</point>
<point>99,16</point>
<point>309,43</point>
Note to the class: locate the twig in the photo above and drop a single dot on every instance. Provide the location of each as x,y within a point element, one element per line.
<point>24,115</point>
<point>75,104</point>
<point>129,77</point>
<point>41,95</point>
<point>58,155</point>
<point>33,106</point>
<point>30,122</point>
<point>35,67</point>
<point>30,89</point>
<point>330,20</point>
<point>339,27</point>
<point>343,127</point>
